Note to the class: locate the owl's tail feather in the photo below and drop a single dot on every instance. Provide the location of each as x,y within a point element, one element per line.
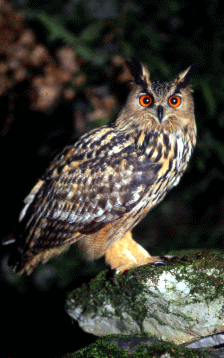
<point>15,254</point>
<point>27,261</point>
<point>8,241</point>
<point>11,243</point>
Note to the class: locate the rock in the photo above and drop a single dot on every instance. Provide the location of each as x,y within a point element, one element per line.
<point>209,341</point>
<point>181,302</point>
<point>123,346</point>
<point>130,344</point>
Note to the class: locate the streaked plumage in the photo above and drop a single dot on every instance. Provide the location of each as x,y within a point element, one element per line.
<point>97,189</point>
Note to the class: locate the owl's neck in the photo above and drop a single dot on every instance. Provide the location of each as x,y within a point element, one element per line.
<point>149,133</point>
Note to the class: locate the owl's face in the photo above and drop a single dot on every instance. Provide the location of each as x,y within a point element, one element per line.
<point>156,105</point>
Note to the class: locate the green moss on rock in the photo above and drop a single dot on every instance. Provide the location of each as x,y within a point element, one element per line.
<point>181,301</point>
<point>123,291</point>
<point>104,347</point>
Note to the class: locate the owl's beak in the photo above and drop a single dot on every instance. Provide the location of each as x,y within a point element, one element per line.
<point>160,113</point>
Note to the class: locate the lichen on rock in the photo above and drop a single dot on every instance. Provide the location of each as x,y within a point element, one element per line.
<point>182,301</point>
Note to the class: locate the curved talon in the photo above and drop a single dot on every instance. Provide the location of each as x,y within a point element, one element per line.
<point>157,263</point>
<point>115,272</point>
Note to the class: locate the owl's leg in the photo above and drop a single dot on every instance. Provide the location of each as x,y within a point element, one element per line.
<point>125,254</point>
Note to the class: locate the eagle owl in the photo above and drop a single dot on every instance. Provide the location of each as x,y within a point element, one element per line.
<point>98,188</point>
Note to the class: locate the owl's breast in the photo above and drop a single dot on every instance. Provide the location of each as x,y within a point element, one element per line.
<point>170,156</point>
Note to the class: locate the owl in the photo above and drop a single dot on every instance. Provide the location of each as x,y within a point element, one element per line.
<point>99,187</point>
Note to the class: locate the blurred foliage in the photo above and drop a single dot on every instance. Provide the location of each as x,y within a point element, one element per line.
<point>84,43</point>
<point>168,36</point>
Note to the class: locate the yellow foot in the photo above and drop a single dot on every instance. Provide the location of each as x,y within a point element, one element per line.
<point>125,254</point>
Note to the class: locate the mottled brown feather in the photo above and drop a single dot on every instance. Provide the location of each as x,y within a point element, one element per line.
<point>98,188</point>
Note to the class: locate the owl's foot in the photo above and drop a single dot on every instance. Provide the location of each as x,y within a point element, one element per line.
<point>125,254</point>
<point>163,259</point>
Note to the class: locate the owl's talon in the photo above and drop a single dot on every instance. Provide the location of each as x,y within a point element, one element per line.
<point>157,263</point>
<point>115,272</point>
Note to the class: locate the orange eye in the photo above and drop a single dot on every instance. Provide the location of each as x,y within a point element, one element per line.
<point>174,101</point>
<point>145,101</point>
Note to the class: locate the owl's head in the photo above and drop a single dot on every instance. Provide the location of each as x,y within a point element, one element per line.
<point>158,105</point>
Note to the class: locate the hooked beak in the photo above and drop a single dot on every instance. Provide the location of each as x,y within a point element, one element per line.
<point>160,113</point>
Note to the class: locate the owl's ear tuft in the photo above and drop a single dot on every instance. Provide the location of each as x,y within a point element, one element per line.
<point>138,71</point>
<point>184,78</point>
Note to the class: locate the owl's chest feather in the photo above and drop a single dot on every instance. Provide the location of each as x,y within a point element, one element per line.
<point>169,156</point>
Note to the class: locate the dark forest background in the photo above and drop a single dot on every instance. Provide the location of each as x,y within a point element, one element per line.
<point>61,74</point>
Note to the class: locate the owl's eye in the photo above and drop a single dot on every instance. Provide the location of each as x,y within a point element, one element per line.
<point>174,101</point>
<point>146,100</point>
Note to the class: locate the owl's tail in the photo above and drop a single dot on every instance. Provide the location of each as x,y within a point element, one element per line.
<point>25,260</point>
<point>15,255</point>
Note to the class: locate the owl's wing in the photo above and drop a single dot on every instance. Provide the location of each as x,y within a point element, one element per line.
<point>88,185</point>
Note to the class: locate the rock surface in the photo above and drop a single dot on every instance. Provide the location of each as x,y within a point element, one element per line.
<point>181,302</point>
<point>144,347</point>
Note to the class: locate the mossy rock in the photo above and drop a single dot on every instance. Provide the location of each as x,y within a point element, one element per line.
<point>180,302</point>
<point>113,346</point>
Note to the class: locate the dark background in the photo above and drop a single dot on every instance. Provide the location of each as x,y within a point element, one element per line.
<point>166,35</point>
